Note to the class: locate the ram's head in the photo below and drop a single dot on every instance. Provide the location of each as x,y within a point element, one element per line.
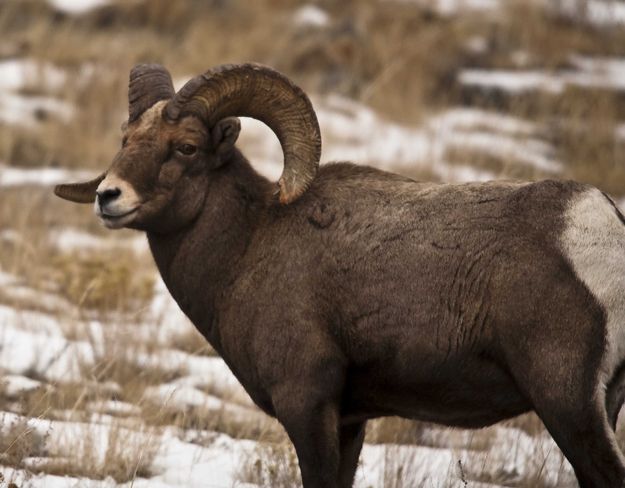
<point>173,143</point>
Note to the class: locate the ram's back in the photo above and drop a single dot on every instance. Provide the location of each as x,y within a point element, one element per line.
<point>384,254</point>
<point>416,285</point>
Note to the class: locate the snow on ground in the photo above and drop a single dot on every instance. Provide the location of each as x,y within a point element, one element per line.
<point>456,7</point>
<point>15,74</point>
<point>600,13</point>
<point>586,72</point>
<point>24,109</point>
<point>44,176</point>
<point>353,132</point>
<point>72,239</point>
<point>37,352</point>
<point>34,344</point>
<point>77,6</point>
<point>311,16</point>
<point>218,460</point>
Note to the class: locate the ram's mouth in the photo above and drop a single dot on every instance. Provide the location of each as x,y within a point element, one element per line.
<point>116,221</point>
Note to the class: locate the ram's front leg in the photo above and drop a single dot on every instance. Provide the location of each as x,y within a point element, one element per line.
<point>314,433</point>
<point>308,408</point>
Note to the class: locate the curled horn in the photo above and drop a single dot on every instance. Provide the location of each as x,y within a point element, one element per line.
<point>149,83</point>
<point>252,90</point>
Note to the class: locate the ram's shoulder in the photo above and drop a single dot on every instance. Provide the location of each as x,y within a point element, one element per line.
<point>353,180</point>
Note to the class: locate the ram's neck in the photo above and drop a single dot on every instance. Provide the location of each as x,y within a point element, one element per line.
<point>200,261</point>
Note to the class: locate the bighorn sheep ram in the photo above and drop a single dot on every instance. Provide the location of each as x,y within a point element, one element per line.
<point>346,293</point>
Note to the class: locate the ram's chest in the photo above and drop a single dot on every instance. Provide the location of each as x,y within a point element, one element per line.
<point>244,364</point>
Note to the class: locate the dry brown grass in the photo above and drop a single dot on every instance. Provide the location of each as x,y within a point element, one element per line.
<point>500,167</point>
<point>128,455</point>
<point>394,430</point>
<point>400,59</point>
<point>192,342</point>
<point>548,38</point>
<point>18,441</point>
<point>256,426</point>
<point>104,281</point>
<point>272,465</point>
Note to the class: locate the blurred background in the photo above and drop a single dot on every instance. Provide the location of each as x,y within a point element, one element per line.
<point>103,382</point>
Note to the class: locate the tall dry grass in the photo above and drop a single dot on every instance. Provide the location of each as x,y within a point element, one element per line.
<point>401,60</point>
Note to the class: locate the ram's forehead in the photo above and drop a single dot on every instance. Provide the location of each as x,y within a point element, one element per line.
<point>150,120</point>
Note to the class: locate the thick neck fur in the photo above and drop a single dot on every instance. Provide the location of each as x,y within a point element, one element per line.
<point>199,261</point>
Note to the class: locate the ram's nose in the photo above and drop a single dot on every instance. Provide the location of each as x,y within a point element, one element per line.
<point>107,196</point>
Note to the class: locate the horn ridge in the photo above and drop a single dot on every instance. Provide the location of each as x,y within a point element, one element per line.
<point>148,84</point>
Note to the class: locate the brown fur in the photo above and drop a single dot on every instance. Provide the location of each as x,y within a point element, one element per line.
<point>376,295</point>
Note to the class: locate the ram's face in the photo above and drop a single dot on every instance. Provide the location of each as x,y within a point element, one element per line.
<point>175,144</point>
<point>158,180</point>
<point>159,172</point>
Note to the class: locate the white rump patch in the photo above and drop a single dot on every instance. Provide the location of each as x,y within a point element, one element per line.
<point>594,242</point>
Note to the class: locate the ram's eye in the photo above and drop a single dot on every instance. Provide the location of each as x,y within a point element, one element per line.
<point>124,141</point>
<point>186,149</point>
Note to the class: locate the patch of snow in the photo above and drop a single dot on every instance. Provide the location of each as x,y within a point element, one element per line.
<point>311,16</point>
<point>28,110</point>
<point>114,407</point>
<point>452,7</point>
<point>182,396</point>
<point>467,119</point>
<point>6,279</point>
<point>33,342</point>
<point>354,132</point>
<point>439,467</point>
<point>213,370</point>
<point>601,13</point>
<point>216,466</point>
<point>24,109</point>
<point>13,384</point>
<point>599,72</point>
<point>29,297</point>
<point>604,73</point>
<point>76,7</point>
<point>16,74</point>
<point>72,239</point>
<point>464,172</point>
<point>457,7</point>
<point>511,81</point>
<point>165,311</point>
<point>521,58</point>
<point>25,478</point>
<point>477,44</point>
<point>14,176</point>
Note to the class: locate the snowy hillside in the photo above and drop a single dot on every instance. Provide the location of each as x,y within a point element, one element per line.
<point>103,381</point>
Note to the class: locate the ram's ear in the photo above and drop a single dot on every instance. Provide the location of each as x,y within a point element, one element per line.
<point>79,192</point>
<point>225,134</point>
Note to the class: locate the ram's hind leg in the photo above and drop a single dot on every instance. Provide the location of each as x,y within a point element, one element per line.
<point>574,412</point>
<point>558,361</point>
<point>588,442</point>
<point>573,409</point>
<point>615,395</point>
